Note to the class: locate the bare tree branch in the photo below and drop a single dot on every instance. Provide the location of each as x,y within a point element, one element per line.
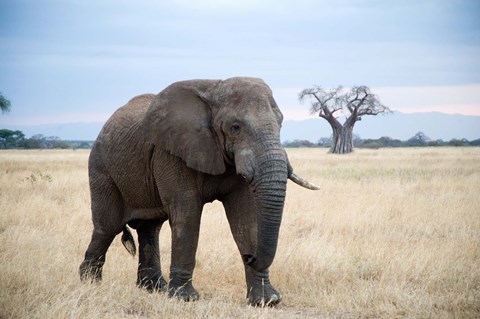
<point>326,103</point>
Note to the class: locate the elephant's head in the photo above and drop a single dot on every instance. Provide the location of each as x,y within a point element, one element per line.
<point>211,124</point>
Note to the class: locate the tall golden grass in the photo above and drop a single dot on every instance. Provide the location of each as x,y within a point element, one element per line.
<point>393,233</point>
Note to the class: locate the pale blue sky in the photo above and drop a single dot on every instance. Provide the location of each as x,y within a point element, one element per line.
<point>73,60</point>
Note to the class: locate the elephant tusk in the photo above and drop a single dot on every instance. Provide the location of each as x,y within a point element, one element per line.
<point>302,182</point>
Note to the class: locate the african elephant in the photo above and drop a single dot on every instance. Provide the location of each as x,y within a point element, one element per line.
<point>162,157</point>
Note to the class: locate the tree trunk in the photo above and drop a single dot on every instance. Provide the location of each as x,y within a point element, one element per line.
<point>342,142</point>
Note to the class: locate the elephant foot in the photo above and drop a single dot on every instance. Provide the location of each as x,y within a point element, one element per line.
<point>152,283</point>
<point>260,292</point>
<point>91,271</point>
<point>184,292</point>
<point>265,296</point>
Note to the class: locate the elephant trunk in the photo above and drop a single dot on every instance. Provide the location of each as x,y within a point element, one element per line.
<point>269,188</point>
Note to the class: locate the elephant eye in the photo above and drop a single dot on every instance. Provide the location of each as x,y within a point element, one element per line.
<point>235,128</point>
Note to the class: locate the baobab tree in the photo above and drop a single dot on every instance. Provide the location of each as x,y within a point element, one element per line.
<point>337,102</point>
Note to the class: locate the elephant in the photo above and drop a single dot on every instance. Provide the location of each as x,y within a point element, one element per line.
<point>162,157</point>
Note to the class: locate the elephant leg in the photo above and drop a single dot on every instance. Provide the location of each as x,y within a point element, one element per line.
<point>107,213</point>
<point>92,265</point>
<point>241,213</point>
<point>185,229</point>
<point>149,274</point>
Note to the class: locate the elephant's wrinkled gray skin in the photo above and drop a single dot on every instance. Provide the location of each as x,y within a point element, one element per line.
<point>162,157</point>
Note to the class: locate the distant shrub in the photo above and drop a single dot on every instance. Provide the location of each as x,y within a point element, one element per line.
<point>299,143</point>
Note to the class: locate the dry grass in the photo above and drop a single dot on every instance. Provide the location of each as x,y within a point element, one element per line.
<point>393,233</point>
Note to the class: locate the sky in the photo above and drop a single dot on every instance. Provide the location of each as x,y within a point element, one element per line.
<point>79,60</point>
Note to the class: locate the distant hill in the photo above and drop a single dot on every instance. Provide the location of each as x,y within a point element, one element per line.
<point>397,125</point>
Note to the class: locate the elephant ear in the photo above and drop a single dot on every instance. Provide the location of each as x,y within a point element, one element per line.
<point>179,121</point>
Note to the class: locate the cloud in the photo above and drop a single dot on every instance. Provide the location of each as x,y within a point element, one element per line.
<point>94,56</point>
<point>463,99</point>
<point>218,5</point>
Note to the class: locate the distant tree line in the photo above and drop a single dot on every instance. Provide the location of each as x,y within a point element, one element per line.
<point>16,140</point>
<point>418,140</point>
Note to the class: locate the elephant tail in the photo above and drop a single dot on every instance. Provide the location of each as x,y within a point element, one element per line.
<point>128,242</point>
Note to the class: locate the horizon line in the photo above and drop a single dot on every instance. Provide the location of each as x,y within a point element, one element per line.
<point>288,116</point>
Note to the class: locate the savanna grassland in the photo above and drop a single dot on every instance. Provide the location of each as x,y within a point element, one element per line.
<point>393,233</point>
